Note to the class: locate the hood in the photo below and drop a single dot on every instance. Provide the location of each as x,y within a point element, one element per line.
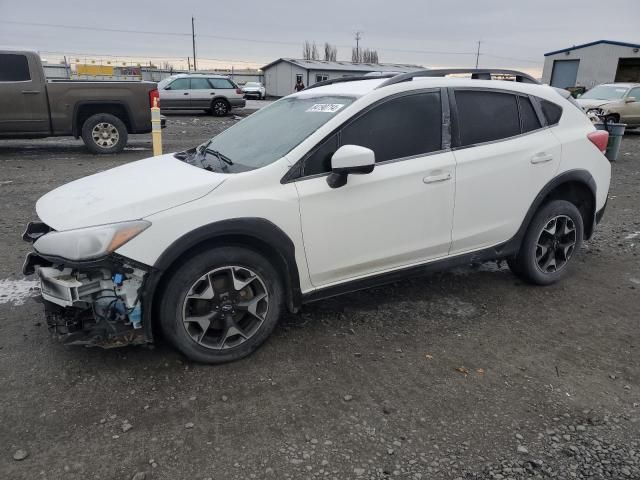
<point>587,103</point>
<point>129,192</point>
<point>251,88</point>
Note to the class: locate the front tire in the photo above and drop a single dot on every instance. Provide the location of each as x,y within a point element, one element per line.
<point>552,240</point>
<point>104,133</point>
<point>221,305</point>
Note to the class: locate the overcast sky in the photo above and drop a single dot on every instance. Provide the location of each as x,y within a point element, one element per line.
<point>514,33</point>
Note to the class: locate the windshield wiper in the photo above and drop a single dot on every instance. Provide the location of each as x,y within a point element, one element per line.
<point>219,155</point>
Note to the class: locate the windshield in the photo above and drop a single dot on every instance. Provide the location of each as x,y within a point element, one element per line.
<point>272,132</point>
<point>605,92</point>
<point>252,84</point>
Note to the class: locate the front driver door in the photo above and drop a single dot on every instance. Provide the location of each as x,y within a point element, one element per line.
<point>176,94</point>
<point>632,109</point>
<point>396,216</point>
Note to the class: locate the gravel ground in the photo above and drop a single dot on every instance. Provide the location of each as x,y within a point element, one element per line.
<point>468,374</point>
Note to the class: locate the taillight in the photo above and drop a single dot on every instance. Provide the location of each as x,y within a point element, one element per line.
<point>599,138</point>
<point>239,91</point>
<point>154,98</point>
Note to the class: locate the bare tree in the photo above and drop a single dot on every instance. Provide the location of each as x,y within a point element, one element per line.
<point>355,55</point>
<point>330,52</point>
<point>314,52</point>
<point>306,50</point>
<point>369,56</point>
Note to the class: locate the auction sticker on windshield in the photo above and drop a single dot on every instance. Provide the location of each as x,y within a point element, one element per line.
<point>326,107</point>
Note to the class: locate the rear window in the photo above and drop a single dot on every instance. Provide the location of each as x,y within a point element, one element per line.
<point>14,68</point>
<point>485,116</point>
<point>551,111</point>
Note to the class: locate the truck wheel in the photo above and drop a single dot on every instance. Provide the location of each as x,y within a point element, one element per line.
<point>221,304</point>
<point>104,133</point>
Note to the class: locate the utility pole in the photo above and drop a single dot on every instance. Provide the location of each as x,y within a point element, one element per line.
<point>193,41</point>
<point>358,38</point>
<point>189,63</point>
<point>478,53</point>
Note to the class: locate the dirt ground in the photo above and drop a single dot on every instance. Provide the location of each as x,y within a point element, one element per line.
<point>465,374</point>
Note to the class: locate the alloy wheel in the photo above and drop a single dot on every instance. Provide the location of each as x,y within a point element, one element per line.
<point>225,307</point>
<point>105,135</point>
<point>556,243</point>
<point>220,108</point>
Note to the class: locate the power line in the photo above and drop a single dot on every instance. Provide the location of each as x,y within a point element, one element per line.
<point>241,39</point>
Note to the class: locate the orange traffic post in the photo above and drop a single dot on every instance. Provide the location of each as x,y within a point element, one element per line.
<point>156,128</point>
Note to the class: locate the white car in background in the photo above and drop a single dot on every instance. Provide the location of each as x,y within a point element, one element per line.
<point>216,94</point>
<point>345,185</point>
<point>254,89</point>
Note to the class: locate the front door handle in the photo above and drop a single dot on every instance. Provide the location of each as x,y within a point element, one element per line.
<point>441,177</point>
<point>186,93</point>
<point>30,92</point>
<point>541,158</point>
<point>212,93</point>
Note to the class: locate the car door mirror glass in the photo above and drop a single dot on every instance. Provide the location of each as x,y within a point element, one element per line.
<point>350,159</point>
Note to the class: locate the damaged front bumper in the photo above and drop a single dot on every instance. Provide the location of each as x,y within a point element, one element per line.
<point>93,303</point>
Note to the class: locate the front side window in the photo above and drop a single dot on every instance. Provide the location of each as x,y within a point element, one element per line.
<point>221,83</point>
<point>275,130</point>
<point>200,84</point>
<point>14,68</point>
<point>485,116</point>
<point>180,84</point>
<point>401,127</point>
<point>635,93</point>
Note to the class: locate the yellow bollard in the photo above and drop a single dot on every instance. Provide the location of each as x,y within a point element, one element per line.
<point>156,128</point>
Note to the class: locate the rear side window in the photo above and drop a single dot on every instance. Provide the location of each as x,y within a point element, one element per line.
<point>484,116</point>
<point>401,127</point>
<point>551,111</point>
<point>221,83</point>
<point>200,84</point>
<point>528,115</point>
<point>14,68</point>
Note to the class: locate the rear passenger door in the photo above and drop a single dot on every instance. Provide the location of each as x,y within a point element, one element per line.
<point>201,93</point>
<point>398,215</point>
<point>505,155</point>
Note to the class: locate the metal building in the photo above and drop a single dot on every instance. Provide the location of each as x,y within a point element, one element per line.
<point>281,75</point>
<point>590,64</point>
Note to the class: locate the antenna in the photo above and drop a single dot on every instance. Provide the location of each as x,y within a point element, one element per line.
<point>193,41</point>
<point>358,38</point>
<point>478,53</point>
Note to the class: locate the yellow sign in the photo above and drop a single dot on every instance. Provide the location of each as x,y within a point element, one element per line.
<point>94,70</point>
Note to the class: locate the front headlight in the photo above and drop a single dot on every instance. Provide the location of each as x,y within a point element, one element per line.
<point>89,243</point>
<point>596,111</point>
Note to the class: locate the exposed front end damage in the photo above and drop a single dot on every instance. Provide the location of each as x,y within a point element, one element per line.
<point>92,303</point>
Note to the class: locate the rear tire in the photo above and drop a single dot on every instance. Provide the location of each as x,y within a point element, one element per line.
<point>104,133</point>
<point>552,240</point>
<point>221,305</point>
<point>220,107</point>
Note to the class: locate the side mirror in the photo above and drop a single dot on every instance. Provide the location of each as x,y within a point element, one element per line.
<point>350,159</point>
<point>578,95</point>
<point>630,100</point>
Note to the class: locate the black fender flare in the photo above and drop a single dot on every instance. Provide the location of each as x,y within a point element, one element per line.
<point>577,175</point>
<point>255,232</point>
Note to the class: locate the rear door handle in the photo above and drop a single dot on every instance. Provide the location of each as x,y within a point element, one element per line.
<point>30,92</point>
<point>186,93</point>
<point>441,177</point>
<point>541,158</point>
<point>212,93</point>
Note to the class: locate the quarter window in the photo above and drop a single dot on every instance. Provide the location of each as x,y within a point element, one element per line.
<point>200,84</point>
<point>485,116</point>
<point>551,111</point>
<point>221,83</point>
<point>14,68</point>
<point>528,116</point>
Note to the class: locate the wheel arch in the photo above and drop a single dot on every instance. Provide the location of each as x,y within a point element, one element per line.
<point>221,97</point>
<point>575,186</point>
<point>83,110</point>
<point>257,234</point>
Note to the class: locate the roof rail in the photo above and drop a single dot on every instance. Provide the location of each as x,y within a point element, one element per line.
<point>476,73</point>
<point>350,79</point>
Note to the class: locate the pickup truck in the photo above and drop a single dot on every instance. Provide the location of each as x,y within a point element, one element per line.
<point>103,113</point>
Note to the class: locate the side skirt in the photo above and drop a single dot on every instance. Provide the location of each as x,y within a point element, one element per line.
<point>499,252</point>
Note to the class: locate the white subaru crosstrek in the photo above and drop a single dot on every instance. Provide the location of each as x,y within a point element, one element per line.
<point>346,185</point>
